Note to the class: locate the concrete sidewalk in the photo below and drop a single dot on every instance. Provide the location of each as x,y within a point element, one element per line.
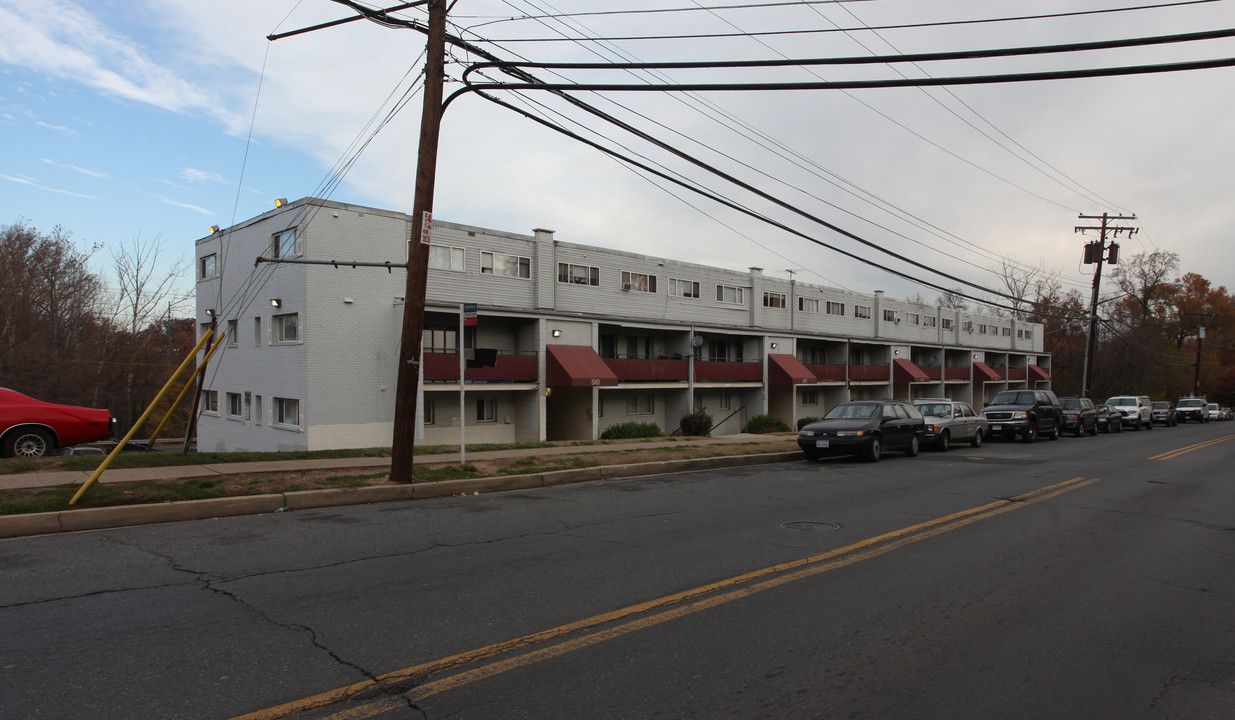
<point>79,519</point>
<point>186,472</point>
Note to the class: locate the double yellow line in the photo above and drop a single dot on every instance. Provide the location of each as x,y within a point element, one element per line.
<point>1184,450</point>
<point>534,648</point>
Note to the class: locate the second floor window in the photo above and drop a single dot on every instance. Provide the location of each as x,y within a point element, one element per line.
<point>285,244</point>
<point>730,294</point>
<point>836,308</point>
<point>285,328</point>
<point>578,274</point>
<point>208,267</point>
<point>638,282</point>
<point>445,257</point>
<point>862,311</point>
<point>774,300</point>
<point>683,288</point>
<point>505,265</point>
<point>810,305</point>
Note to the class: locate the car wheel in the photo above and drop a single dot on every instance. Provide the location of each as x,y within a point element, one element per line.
<point>1149,425</point>
<point>875,450</point>
<point>977,438</point>
<point>29,443</point>
<point>1118,426</point>
<point>1031,433</point>
<point>914,446</point>
<point>1137,425</point>
<point>1056,432</point>
<point>1094,430</point>
<point>945,441</point>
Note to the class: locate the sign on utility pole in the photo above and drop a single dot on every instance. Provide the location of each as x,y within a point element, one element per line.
<point>404,436</point>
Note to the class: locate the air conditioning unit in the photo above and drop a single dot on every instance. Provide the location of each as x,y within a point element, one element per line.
<point>626,287</point>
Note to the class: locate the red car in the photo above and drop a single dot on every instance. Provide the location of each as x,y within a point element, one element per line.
<point>33,428</point>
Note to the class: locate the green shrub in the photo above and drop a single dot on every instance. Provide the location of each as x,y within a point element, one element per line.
<point>803,422</point>
<point>622,431</point>
<point>696,423</point>
<point>765,424</point>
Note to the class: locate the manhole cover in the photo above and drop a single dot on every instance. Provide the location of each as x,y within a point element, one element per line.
<point>810,526</point>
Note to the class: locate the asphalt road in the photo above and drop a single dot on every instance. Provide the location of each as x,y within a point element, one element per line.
<point>1086,577</point>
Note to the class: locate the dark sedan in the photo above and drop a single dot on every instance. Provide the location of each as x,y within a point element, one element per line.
<point>1109,419</point>
<point>33,428</point>
<point>865,428</point>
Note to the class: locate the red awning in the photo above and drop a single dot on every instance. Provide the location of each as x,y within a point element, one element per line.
<point>577,366</point>
<point>787,370</point>
<point>1037,373</point>
<point>905,370</point>
<point>985,373</point>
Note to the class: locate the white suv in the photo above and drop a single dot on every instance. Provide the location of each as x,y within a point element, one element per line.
<point>1137,410</point>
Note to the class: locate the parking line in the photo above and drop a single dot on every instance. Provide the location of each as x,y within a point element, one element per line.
<point>639,616</point>
<point>1170,454</point>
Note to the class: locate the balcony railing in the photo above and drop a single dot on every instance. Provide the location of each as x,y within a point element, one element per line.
<point>826,371</point>
<point>869,372</point>
<point>649,370</point>
<point>719,371</point>
<point>444,367</point>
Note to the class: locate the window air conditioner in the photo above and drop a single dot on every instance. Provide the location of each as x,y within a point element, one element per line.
<point>626,287</point>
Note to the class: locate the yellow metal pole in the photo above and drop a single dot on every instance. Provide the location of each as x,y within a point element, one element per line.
<point>188,384</point>
<point>133,430</point>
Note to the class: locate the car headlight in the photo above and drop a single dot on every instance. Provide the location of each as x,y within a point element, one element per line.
<point>806,433</point>
<point>850,433</point>
<point>1022,415</point>
<point>932,428</point>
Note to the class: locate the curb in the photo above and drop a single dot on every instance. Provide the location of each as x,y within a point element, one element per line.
<point>50,523</point>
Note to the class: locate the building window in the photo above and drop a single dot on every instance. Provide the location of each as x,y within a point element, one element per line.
<point>208,267</point>
<point>640,404</point>
<point>862,311</point>
<point>810,305</point>
<point>505,265</point>
<point>486,410</point>
<point>946,323</point>
<point>1005,331</point>
<point>257,409</point>
<point>638,282</point>
<point>445,257</point>
<point>730,294</point>
<point>430,412</point>
<point>285,328</point>
<point>578,274</point>
<point>285,244</point>
<point>445,338</point>
<point>235,407</point>
<point>981,329</point>
<point>810,397</point>
<point>889,316</point>
<point>210,402</point>
<point>836,308</point>
<point>967,326</point>
<point>1029,334</point>
<point>232,331</point>
<point>774,300</point>
<point>683,288</point>
<point>257,331</point>
<point>286,412</point>
<point>929,321</point>
<point>726,400</point>
<point>719,351</point>
<point>638,347</point>
<point>912,319</point>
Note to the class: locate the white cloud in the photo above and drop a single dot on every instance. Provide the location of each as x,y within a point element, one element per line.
<point>187,206</point>
<point>76,169</point>
<point>31,183</point>
<point>191,175</point>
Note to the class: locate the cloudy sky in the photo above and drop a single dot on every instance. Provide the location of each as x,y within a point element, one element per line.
<point>143,118</point>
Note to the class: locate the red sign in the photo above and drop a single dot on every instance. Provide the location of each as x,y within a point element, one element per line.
<point>426,228</point>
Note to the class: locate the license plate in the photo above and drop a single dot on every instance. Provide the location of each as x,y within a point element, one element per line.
<point>995,427</point>
<point>821,443</point>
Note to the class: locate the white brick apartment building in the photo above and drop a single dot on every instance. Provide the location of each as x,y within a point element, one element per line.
<point>578,337</point>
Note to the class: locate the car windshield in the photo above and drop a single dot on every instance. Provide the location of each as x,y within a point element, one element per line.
<point>1013,397</point>
<point>1189,403</point>
<point>935,409</point>
<point>1161,406</point>
<point>1070,403</point>
<point>1121,401</point>
<point>852,412</point>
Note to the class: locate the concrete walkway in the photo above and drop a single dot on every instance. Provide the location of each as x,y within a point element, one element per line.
<point>79,519</point>
<point>185,472</point>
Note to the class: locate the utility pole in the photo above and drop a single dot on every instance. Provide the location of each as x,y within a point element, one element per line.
<point>1097,252</point>
<point>403,445</point>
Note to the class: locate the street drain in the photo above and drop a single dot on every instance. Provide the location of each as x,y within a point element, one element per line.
<point>810,526</point>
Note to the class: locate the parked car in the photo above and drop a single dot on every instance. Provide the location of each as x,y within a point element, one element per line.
<point>1213,412</point>
<point>949,421</point>
<point>33,428</point>
<point>1163,412</point>
<point>1136,410</point>
<point>1109,418</point>
<point>866,428</point>
<point>1191,408</point>
<point>1224,413</point>
<point>1079,415</point>
<point>1024,414</point>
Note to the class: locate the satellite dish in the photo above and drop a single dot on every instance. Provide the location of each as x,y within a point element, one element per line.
<point>696,341</point>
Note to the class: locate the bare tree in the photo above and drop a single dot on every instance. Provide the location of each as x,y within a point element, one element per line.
<point>1026,283</point>
<point>952,300</point>
<point>146,290</point>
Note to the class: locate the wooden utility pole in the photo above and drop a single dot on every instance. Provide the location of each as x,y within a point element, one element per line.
<point>1099,252</point>
<point>418,252</point>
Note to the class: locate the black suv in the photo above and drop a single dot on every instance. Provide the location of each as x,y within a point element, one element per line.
<point>1079,415</point>
<point>1024,413</point>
